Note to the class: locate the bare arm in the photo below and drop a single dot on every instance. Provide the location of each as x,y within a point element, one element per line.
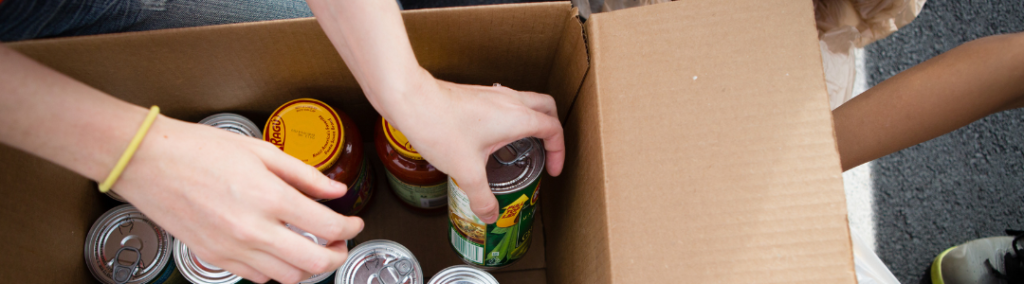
<point>942,94</point>
<point>466,123</point>
<point>225,195</point>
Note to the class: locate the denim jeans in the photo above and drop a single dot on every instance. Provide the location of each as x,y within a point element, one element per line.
<point>29,19</point>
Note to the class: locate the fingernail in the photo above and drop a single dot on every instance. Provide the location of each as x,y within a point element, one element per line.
<point>337,184</point>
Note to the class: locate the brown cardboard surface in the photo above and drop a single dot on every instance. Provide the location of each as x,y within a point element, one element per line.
<point>575,203</point>
<point>720,164</point>
<point>570,65</point>
<point>699,141</point>
<point>533,276</point>
<point>47,211</point>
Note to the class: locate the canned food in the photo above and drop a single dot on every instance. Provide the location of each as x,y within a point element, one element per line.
<point>315,133</point>
<point>197,271</point>
<point>234,123</point>
<point>380,262</point>
<point>414,180</point>
<point>227,121</point>
<point>316,278</point>
<point>462,274</point>
<point>123,246</point>
<point>513,173</point>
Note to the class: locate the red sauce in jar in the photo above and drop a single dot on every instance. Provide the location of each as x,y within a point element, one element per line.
<point>414,180</point>
<point>315,133</point>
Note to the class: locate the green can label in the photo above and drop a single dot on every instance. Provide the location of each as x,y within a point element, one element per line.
<point>426,197</point>
<point>498,244</point>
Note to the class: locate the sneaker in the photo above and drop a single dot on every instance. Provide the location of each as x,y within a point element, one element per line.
<point>995,260</point>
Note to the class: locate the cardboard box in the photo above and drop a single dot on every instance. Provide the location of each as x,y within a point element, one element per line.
<point>700,141</point>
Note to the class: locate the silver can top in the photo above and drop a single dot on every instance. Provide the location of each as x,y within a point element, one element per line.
<point>197,271</point>
<point>322,242</point>
<point>113,195</point>
<point>380,262</point>
<point>124,246</point>
<point>234,123</point>
<point>463,274</point>
<point>516,165</point>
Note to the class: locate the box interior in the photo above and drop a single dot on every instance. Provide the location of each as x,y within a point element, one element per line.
<point>699,138</point>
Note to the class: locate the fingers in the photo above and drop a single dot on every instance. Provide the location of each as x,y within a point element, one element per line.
<point>546,127</point>
<point>317,219</point>
<point>539,102</point>
<point>303,253</point>
<point>303,177</point>
<point>473,182</point>
<point>549,129</point>
<point>275,268</point>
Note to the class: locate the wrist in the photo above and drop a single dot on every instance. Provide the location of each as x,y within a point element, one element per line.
<point>410,91</point>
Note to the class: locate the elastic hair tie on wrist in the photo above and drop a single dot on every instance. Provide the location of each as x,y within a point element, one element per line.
<point>132,147</point>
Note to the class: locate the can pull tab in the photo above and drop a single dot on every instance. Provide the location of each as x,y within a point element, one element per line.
<point>399,271</point>
<point>514,152</point>
<point>123,273</point>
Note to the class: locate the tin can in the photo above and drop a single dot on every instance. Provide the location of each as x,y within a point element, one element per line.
<point>463,274</point>
<point>234,123</point>
<point>197,271</point>
<point>513,173</point>
<point>380,262</point>
<point>124,246</point>
<point>228,121</point>
<point>316,134</point>
<point>316,278</point>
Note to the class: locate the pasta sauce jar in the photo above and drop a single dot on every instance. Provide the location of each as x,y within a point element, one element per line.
<point>315,133</point>
<point>513,173</point>
<point>417,183</point>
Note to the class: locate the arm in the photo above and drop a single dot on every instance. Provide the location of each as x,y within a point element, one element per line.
<point>225,195</point>
<point>466,123</point>
<point>942,94</point>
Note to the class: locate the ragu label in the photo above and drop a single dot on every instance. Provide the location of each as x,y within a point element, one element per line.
<point>276,134</point>
<point>308,130</point>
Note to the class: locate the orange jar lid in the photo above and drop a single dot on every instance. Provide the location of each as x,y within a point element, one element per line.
<point>399,142</point>
<point>307,129</point>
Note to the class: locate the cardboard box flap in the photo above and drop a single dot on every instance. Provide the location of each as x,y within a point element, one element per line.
<point>570,65</point>
<point>720,164</point>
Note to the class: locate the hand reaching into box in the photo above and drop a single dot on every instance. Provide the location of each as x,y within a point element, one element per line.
<point>454,126</point>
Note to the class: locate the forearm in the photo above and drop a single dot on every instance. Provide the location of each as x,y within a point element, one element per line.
<point>933,98</point>
<point>380,57</point>
<point>62,120</point>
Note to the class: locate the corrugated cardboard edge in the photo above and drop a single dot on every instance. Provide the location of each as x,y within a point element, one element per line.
<point>577,226</point>
<point>570,65</point>
<point>797,235</point>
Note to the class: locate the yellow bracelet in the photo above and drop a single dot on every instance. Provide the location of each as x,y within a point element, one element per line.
<point>128,153</point>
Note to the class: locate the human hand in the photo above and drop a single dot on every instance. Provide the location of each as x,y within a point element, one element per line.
<point>456,127</point>
<point>228,197</point>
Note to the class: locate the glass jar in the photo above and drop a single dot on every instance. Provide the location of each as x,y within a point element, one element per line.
<point>417,183</point>
<point>316,134</point>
